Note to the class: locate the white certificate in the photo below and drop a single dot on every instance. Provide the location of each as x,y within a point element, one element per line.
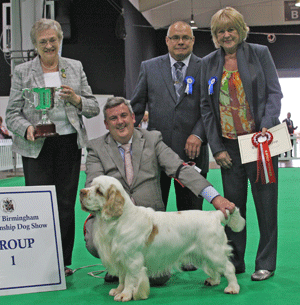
<point>281,143</point>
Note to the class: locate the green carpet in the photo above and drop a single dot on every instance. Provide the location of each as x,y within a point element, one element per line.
<point>187,287</point>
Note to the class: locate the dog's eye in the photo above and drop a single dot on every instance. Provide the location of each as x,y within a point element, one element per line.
<point>98,191</point>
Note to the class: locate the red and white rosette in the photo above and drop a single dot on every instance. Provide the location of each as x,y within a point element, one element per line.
<point>265,169</point>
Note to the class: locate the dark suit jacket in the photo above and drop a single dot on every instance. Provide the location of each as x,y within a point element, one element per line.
<point>175,120</point>
<point>260,82</point>
<point>149,155</point>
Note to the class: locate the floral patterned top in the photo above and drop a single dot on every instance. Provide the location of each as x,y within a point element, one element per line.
<point>236,118</point>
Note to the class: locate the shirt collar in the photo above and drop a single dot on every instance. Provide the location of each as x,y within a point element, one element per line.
<point>129,142</point>
<point>186,61</point>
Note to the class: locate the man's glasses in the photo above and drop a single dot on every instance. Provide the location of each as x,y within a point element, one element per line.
<point>177,38</point>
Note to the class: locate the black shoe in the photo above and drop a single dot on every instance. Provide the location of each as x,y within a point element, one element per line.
<point>110,278</point>
<point>188,268</point>
<point>239,271</point>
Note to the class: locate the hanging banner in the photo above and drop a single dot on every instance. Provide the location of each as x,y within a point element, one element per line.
<point>31,257</point>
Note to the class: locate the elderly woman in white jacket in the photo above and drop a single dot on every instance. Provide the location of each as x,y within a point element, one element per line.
<point>52,160</point>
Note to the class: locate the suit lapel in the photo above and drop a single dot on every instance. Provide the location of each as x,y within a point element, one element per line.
<point>245,72</point>
<point>37,73</point>
<point>138,143</point>
<point>63,71</point>
<point>192,70</point>
<point>137,150</point>
<point>113,151</point>
<point>216,70</point>
<point>165,68</point>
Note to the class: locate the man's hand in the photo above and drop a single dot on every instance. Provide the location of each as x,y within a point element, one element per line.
<point>222,204</point>
<point>192,146</point>
<point>223,159</point>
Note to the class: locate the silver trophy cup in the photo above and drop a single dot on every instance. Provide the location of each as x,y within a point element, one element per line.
<point>43,100</point>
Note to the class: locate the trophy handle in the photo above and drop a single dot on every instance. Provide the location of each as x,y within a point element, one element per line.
<point>24,95</point>
<point>35,97</point>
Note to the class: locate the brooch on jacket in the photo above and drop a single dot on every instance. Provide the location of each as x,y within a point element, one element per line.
<point>189,80</point>
<point>63,73</point>
<point>211,83</point>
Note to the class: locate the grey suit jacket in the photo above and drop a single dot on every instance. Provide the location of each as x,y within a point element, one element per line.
<point>20,114</point>
<point>149,155</point>
<point>260,82</point>
<point>176,120</point>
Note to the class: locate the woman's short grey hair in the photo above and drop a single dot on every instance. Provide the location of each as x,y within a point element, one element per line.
<point>45,24</point>
<point>228,17</point>
<point>116,101</point>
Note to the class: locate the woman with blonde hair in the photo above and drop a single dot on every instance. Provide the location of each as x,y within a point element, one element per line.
<point>240,94</point>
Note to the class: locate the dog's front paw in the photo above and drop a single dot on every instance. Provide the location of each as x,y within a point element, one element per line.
<point>114,292</point>
<point>232,289</point>
<point>211,282</point>
<point>118,290</point>
<point>123,297</point>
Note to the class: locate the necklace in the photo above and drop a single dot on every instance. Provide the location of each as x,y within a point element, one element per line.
<point>49,68</point>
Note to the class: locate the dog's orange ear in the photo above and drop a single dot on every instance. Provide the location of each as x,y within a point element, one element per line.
<point>114,203</point>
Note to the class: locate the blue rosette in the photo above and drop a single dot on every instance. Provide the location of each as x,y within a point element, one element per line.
<point>189,80</point>
<point>211,83</point>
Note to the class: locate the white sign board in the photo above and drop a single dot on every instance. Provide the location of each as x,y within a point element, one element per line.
<point>30,241</point>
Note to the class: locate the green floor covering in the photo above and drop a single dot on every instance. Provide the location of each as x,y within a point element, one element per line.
<point>187,287</point>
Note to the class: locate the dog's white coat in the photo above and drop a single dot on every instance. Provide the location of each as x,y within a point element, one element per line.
<point>136,242</point>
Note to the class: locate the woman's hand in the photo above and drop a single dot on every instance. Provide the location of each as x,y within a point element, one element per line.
<point>223,159</point>
<point>68,94</point>
<point>30,133</point>
<point>263,131</point>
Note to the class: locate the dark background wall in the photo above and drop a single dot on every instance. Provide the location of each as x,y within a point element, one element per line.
<point>108,60</point>
<point>93,41</point>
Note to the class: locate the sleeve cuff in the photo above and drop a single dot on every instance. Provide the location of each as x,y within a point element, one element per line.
<point>209,193</point>
<point>198,137</point>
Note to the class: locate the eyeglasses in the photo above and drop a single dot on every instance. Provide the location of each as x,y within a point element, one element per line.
<point>177,38</point>
<point>44,42</point>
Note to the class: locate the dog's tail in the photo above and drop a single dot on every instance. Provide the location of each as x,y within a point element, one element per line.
<point>235,221</point>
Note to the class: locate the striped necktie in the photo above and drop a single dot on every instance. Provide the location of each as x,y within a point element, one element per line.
<point>178,77</point>
<point>128,163</point>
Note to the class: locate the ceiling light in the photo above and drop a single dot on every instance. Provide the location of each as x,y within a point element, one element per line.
<point>192,23</point>
<point>297,3</point>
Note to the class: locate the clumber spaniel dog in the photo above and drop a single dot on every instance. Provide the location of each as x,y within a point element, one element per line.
<point>136,242</point>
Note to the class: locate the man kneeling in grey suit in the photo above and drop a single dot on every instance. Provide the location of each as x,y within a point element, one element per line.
<point>141,177</point>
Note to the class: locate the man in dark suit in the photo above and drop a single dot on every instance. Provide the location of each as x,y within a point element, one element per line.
<point>290,124</point>
<point>149,155</point>
<point>291,129</point>
<point>172,97</point>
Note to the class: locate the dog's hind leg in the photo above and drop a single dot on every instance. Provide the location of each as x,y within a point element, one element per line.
<point>213,280</point>
<point>233,286</point>
<point>214,276</point>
